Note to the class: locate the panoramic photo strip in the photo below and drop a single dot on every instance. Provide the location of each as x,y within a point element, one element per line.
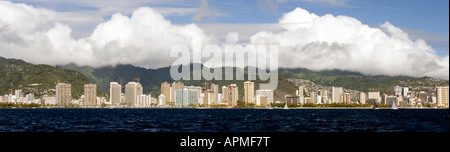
<point>212,72</point>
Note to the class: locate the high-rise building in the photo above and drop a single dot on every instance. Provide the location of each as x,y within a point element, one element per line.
<point>432,99</point>
<point>18,93</point>
<point>179,98</point>
<point>313,97</point>
<point>188,96</point>
<point>262,101</point>
<point>362,98</point>
<point>195,96</point>
<point>405,91</point>
<point>267,93</point>
<point>63,94</point>
<point>48,100</point>
<point>300,91</point>
<point>442,96</point>
<point>90,94</point>
<point>132,91</point>
<point>345,98</point>
<point>232,95</point>
<point>336,94</point>
<point>398,91</point>
<point>249,92</point>
<point>29,98</point>
<point>319,100</point>
<point>115,91</point>
<point>224,94</point>
<point>219,97</point>
<point>215,89</point>
<point>423,96</point>
<point>209,97</point>
<point>143,101</point>
<point>374,96</point>
<point>392,100</point>
<point>289,99</point>
<point>175,86</point>
<point>384,98</point>
<point>161,100</point>
<point>323,96</point>
<point>165,90</point>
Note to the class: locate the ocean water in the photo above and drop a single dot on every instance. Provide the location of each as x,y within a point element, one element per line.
<point>224,120</point>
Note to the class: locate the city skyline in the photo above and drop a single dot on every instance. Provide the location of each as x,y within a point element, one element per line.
<point>196,96</point>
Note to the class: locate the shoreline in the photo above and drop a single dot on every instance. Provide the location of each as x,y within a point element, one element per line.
<point>201,108</point>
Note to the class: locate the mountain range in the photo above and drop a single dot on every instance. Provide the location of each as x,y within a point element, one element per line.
<point>41,79</point>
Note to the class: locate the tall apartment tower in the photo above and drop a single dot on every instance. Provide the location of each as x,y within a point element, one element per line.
<point>175,86</point>
<point>188,95</point>
<point>362,98</point>
<point>224,94</point>
<point>336,94</point>
<point>374,96</point>
<point>63,94</point>
<point>208,98</point>
<point>115,91</point>
<point>90,94</point>
<point>301,94</point>
<point>161,99</point>
<point>18,93</point>
<point>405,91</point>
<point>345,98</point>
<point>165,90</point>
<point>398,91</point>
<point>132,91</point>
<point>323,96</point>
<point>266,93</point>
<point>249,92</point>
<point>442,96</point>
<point>215,89</point>
<point>313,96</point>
<point>232,95</point>
<point>300,91</point>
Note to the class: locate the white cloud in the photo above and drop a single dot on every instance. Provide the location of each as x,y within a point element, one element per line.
<point>144,39</point>
<point>245,31</point>
<point>232,38</point>
<point>341,42</point>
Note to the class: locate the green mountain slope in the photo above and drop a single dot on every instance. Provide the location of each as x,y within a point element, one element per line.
<point>360,82</point>
<point>150,79</point>
<point>18,74</point>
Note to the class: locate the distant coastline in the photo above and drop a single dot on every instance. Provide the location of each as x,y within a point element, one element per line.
<point>202,108</point>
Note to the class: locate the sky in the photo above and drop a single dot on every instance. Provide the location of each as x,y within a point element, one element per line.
<point>374,37</point>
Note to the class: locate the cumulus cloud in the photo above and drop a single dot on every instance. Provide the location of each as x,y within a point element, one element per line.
<point>145,37</point>
<point>341,42</point>
<point>232,37</point>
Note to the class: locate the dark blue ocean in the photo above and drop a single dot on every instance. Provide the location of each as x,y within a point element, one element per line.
<point>224,120</point>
